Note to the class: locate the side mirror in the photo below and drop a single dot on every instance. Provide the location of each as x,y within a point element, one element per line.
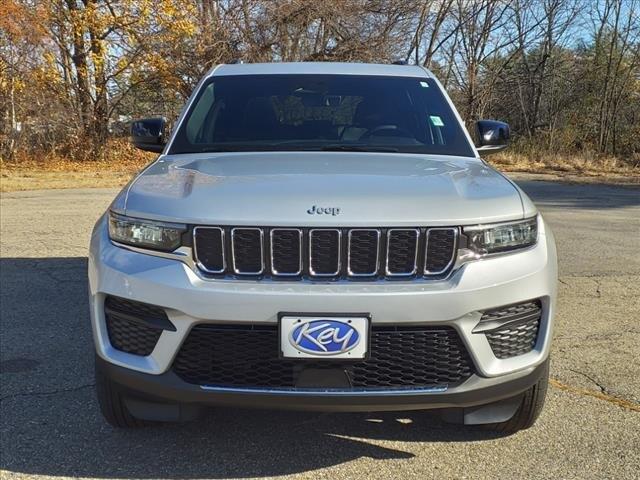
<point>148,134</point>
<point>493,136</point>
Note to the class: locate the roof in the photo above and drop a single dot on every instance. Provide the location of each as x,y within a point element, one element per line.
<point>318,68</point>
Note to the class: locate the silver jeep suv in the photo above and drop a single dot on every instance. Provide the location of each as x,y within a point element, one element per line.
<point>322,236</point>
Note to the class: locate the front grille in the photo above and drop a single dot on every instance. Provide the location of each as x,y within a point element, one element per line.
<point>247,357</point>
<point>402,251</point>
<point>247,251</point>
<point>440,255</point>
<point>134,327</point>
<point>286,251</point>
<point>517,331</point>
<point>326,253</point>
<point>364,250</point>
<point>209,249</point>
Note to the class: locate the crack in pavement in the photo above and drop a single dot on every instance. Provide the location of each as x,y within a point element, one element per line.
<point>585,392</point>
<point>52,392</point>
<point>602,388</point>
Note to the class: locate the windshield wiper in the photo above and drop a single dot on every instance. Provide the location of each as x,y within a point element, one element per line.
<point>222,149</point>
<point>287,146</point>
<point>356,148</point>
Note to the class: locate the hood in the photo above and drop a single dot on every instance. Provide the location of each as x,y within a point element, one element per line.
<point>322,189</point>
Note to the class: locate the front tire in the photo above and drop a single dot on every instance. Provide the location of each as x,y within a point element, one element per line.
<point>529,410</point>
<point>112,405</point>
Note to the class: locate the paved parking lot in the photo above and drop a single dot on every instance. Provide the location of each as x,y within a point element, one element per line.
<point>50,426</point>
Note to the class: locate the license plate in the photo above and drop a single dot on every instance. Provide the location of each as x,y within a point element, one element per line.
<point>324,337</point>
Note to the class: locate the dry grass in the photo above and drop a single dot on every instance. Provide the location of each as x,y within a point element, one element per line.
<point>121,162</point>
<point>584,167</point>
<point>20,179</point>
<point>55,171</point>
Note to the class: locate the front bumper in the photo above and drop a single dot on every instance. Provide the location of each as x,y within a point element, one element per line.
<point>168,389</point>
<point>457,301</point>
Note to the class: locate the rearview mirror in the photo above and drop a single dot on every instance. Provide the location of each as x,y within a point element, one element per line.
<point>492,136</point>
<point>148,134</point>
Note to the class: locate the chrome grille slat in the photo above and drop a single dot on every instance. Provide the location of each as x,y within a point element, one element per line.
<point>247,250</point>
<point>322,249</point>
<point>282,243</point>
<point>326,253</point>
<point>363,251</point>
<point>402,252</point>
<point>209,241</point>
<point>440,249</point>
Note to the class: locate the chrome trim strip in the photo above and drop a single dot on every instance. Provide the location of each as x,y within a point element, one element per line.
<point>181,254</point>
<point>493,325</point>
<point>311,271</point>
<point>415,260</point>
<point>195,250</point>
<point>375,272</point>
<point>454,250</point>
<point>483,226</point>
<point>325,392</point>
<point>233,253</point>
<point>273,268</point>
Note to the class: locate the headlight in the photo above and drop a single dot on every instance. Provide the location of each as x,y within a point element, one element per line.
<point>145,233</point>
<point>503,237</point>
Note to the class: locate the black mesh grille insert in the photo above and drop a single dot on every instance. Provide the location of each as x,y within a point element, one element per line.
<point>286,251</point>
<point>247,250</point>
<point>441,245</point>
<point>324,257</point>
<point>401,251</point>
<point>129,325</point>
<point>401,357</point>
<point>210,248</point>
<point>363,252</point>
<point>518,336</point>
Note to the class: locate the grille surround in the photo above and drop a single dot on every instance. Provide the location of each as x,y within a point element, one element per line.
<point>246,356</point>
<point>355,254</point>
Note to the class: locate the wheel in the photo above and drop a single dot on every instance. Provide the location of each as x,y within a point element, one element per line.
<point>529,410</point>
<point>112,404</point>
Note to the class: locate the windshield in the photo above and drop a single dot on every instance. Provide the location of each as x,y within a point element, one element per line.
<point>321,112</point>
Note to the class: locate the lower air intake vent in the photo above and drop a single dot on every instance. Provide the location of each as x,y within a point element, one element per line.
<point>247,357</point>
<point>134,327</point>
<point>512,330</point>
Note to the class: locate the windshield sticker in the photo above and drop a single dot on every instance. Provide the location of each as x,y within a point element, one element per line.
<point>437,121</point>
<point>424,84</point>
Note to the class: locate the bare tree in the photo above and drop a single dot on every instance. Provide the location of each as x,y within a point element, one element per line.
<point>615,62</point>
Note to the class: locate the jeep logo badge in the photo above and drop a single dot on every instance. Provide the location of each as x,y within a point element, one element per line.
<point>315,210</point>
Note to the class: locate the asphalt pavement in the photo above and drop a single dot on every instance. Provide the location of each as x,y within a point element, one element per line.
<point>50,425</point>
